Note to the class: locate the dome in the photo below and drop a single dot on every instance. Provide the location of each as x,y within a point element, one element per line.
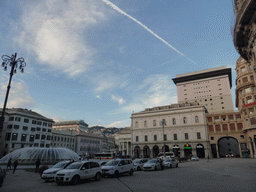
<point>28,155</point>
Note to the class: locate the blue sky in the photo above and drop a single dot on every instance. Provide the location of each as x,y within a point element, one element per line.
<point>99,61</point>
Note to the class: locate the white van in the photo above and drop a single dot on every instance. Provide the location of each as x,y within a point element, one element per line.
<point>167,155</point>
<point>116,167</point>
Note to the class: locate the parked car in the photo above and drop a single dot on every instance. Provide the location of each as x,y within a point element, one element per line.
<point>2,176</point>
<point>103,162</point>
<point>194,158</point>
<point>152,164</point>
<point>116,167</point>
<point>49,174</point>
<point>138,164</point>
<point>77,171</point>
<point>230,155</point>
<point>171,163</point>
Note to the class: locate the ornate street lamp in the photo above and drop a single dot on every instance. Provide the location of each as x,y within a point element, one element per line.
<point>14,64</point>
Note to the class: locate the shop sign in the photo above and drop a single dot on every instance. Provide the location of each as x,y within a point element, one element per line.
<point>249,104</point>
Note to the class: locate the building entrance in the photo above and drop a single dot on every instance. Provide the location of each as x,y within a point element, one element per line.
<point>146,152</point>
<point>137,152</point>
<point>187,150</point>
<point>176,150</point>
<point>166,149</point>
<point>155,151</point>
<point>228,145</point>
<point>200,151</point>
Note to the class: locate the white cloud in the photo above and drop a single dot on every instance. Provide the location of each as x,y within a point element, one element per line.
<point>120,100</point>
<point>54,32</point>
<point>97,96</point>
<point>124,123</point>
<point>18,95</point>
<point>156,90</point>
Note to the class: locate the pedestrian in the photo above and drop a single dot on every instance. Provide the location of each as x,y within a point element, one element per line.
<point>15,164</point>
<point>37,165</point>
<point>9,164</point>
<point>208,158</point>
<point>162,164</point>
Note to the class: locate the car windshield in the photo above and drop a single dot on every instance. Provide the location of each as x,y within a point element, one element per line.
<point>167,160</point>
<point>76,165</point>
<point>152,161</point>
<point>136,161</point>
<point>113,162</point>
<point>60,165</point>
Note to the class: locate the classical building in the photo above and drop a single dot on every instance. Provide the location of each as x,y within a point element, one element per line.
<point>245,29</point>
<point>77,125</point>
<point>25,128</point>
<point>123,141</point>
<point>62,138</point>
<point>180,128</point>
<point>210,87</point>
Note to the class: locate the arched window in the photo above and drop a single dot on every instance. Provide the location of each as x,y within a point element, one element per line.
<point>145,124</point>
<point>196,119</point>
<point>184,120</point>
<point>154,122</point>
<point>163,122</point>
<point>174,121</point>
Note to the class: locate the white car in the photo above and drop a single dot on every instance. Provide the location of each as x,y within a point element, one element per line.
<point>171,163</point>
<point>194,158</point>
<point>49,174</point>
<point>152,164</point>
<point>138,164</point>
<point>116,167</point>
<point>77,171</point>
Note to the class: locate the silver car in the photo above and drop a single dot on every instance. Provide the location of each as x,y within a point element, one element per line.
<point>152,164</point>
<point>171,163</point>
<point>138,164</point>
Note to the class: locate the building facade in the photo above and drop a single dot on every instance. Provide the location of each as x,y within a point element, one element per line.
<point>210,87</point>
<point>123,140</point>
<point>76,126</point>
<point>180,128</point>
<point>62,138</point>
<point>25,128</point>
<point>245,29</point>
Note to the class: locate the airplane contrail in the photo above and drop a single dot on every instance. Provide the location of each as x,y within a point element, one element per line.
<point>145,27</point>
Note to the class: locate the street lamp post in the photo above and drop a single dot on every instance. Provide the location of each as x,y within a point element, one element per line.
<point>163,123</point>
<point>13,63</point>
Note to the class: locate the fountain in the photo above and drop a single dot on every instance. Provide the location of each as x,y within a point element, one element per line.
<point>46,155</point>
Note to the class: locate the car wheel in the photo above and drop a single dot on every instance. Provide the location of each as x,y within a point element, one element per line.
<point>177,165</point>
<point>155,168</point>
<point>75,179</point>
<point>97,177</point>
<point>131,172</point>
<point>170,166</point>
<point>138,168</point>
<point>116,174</point>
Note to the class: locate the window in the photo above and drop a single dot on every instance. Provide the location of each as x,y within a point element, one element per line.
<point>175,136</point>
<point>33,121</point>
<point>47,145</point>
<point>245,79</point>
<point>49,130</point>
<point>37,136</point>
<point>25,128</point>
<point>44,124</point>
<point>16,126</point>
<point>31,138</point>
<point>154,122</point>
<point>247,90</point>
<point>155,137</point>
<point>23,137</point>
<point>174,121</point>
<point>146,138</point>
<point>35,144</point>
<point>249,67</point>
<point>43,137</point>
<point>7,136</point>
<point>11,118</point>
<point>165,137</point>
<point>243,70</point>
<point>44,130</point>
<point>136,124</point>
<point>216,118</point>
<point>137,138</point>
<point>49,125</point>
<point>39,123</point>
<point>184,120</point>
<point>196,119</point>
<point>163,122</point>
<point>48,137</point>
<point>17,118</point>
<point>33,128</point>
<point>9,126</point>
<point>41,144</point>
<point>230,117</point>
<point>198,134</point>
<point>186,136</point>
<point>145,124</point>
<point>38,129</point>
<point>212,138</point>
<point>26,120</point>
<point>14,136</point>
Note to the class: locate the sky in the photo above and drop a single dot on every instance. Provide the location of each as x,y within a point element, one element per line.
<point>100,61</point>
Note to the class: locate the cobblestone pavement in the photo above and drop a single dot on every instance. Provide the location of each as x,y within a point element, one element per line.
<point>217,175</point>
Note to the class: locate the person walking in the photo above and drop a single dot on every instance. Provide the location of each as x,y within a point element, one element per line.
<point>9,164</point>
<point>15,164</point>
<point>37,165</point>
<point>208,158</point>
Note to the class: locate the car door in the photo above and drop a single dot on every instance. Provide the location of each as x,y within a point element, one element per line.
<point>122,166</point>
<point>85,171</point>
